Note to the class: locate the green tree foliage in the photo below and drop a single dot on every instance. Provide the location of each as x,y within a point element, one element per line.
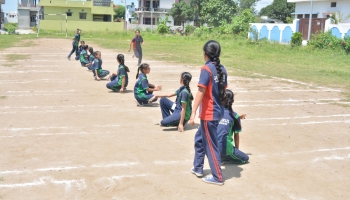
<point>297,39</point>
<point>119,12</point>
<point>162,27</point>
<point>239,24</point>
<point>279,9</point>
<point>196,5</point>
<point>216,13</point>
<point>182,11</point>
<point>248,4</point>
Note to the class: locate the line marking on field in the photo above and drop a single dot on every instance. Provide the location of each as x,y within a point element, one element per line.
<point>307,151</point>
<point>297,117</point>
<point>54,91</point>
<point>308,123</point>
<point>53,127</point>
<point>42,80</point>
<point>81,184</point>
<point>67,168</point>
<point>158,162</point>
<point>331,158</point>
<point>298,82</point>
<point>28,71</point>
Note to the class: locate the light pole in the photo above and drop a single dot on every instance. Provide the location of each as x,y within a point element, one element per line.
<point>310,21</point>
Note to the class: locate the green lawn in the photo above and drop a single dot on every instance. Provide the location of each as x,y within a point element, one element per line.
<point>326,68</point>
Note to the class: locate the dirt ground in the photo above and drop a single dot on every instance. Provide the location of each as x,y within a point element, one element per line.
<point>63,135</point>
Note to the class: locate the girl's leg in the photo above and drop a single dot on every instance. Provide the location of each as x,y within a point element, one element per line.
<point>144,99</point>
<point>199,152</point>
<point>238,157</point>
<point>210,143</point>
<point>172,120</point>
<point>70,54</point>
<point>140,56</point>
<point>103,74</point>
<point>166,107</point>
<point>113,85</point>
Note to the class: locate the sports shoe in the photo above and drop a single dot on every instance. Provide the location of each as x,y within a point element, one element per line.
<point>68,58</point>
<point>196,173</point>
<point>137,103</point>
<point>210,179</point>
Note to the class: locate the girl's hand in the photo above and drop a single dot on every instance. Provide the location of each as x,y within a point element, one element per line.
<point>180,128</point>
<point>242,116</point>
<point>159,87</point>
<point>192,119</point>
<point>129,50</point>
<point>121,90</point>
<point>98,78</point>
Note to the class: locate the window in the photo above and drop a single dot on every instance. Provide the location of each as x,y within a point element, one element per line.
<point>33,18</point>
<point>69,13</point>
<point>82,15</point>
<point>314,15</point>
<point>177,23</point>
<point>333,4</point>
<point>299,16</point>
<point>148,21</point>
<point>307,15</point>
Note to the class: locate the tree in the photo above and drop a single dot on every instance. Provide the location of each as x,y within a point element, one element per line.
<point>119,12</point>
<point>279,9</point>
<point>181,11</point>
<point>196,5</point>
<point>248,4</point>
<point>216,13</point>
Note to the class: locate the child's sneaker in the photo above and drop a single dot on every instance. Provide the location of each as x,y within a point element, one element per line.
<point>137,103</point>
<point>210,179</point>
<point>196,173</point>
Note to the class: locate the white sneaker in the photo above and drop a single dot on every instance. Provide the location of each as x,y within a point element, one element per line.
<point>196,173</point>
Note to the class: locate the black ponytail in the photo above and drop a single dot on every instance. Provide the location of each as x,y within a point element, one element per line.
<point>186,79</point>
<point>91,50</point>
<point>140,68</point>
<point>120,58</point>
<point>212,49</point>
<point>230,99</point>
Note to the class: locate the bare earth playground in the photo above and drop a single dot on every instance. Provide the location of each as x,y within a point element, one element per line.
<point>65,136</point>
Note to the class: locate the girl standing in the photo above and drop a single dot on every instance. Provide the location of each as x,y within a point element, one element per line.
<point>75,44</point>
<point>143,91</point>
<point>136,42</point>
<point>119,81</point>
<point>230,126</point>
<point>212,97</point>
<point>181,109</point>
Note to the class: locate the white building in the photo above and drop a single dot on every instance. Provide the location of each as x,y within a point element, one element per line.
<point>150,11</point>
<point>11,17</point>
<point>322,9</point>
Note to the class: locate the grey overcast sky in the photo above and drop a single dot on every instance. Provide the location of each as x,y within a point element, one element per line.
<point>263,3</point>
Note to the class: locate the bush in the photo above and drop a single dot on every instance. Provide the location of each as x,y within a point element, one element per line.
<point>11,27</point>
<point>346,44</point>
<point>189,29</point>
<point>162,27</point>
<point>240,24</point>
<point>201,31</point>
<point>297,39</point>
<point>324,40</point>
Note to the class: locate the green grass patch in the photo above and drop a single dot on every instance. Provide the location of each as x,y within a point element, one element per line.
<point>2,97</point>
<point>15,57</point>
<point>7,41</point>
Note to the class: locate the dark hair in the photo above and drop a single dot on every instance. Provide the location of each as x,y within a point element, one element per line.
<point>186,79</point>
<point>120,58</point>
<point>141,67</point>
<point>137,31</point>
<point>85,47</point>
<point>91,50</point>
<point>212,49</point>
<point>82,41</point>
<point>96,52</point>
<point>229,101</point>
<point>78,30</point>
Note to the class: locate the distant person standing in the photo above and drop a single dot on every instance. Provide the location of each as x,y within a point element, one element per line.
<point>136,42</point>
<point>75,44</point>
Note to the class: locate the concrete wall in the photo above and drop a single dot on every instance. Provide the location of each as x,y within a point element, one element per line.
<point>338,30</point>
<point>324,8</point>
<point>274,32</point>
<point>83,25</point>
<point>166,3</point>
<point>11,17</point>
<point>23,19</point>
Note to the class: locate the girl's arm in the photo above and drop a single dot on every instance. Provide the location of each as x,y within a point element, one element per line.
<point>197,101</point>
<point>156,88</point>
<point>236,138</point>
<point>183,112</point>
<point>96,75</point>
<point>165,95</point>
<point>130,46</point>
<point>123,83</point>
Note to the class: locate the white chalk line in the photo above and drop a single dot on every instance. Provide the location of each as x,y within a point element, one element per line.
<point>54,91</point>
<point>298,82</point>
<point>158,162</point>
<point>80,184</point>
<point>309,123</point>
<point>28,71</point>
<point>331,158</point>
<point>52,127</point>
<point>67,168</point>
<point>307,151</point>
<point>297,117</point>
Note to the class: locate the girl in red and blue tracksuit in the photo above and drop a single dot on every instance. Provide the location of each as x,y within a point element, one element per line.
<point>211,96</point>
<point>228,134</point>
